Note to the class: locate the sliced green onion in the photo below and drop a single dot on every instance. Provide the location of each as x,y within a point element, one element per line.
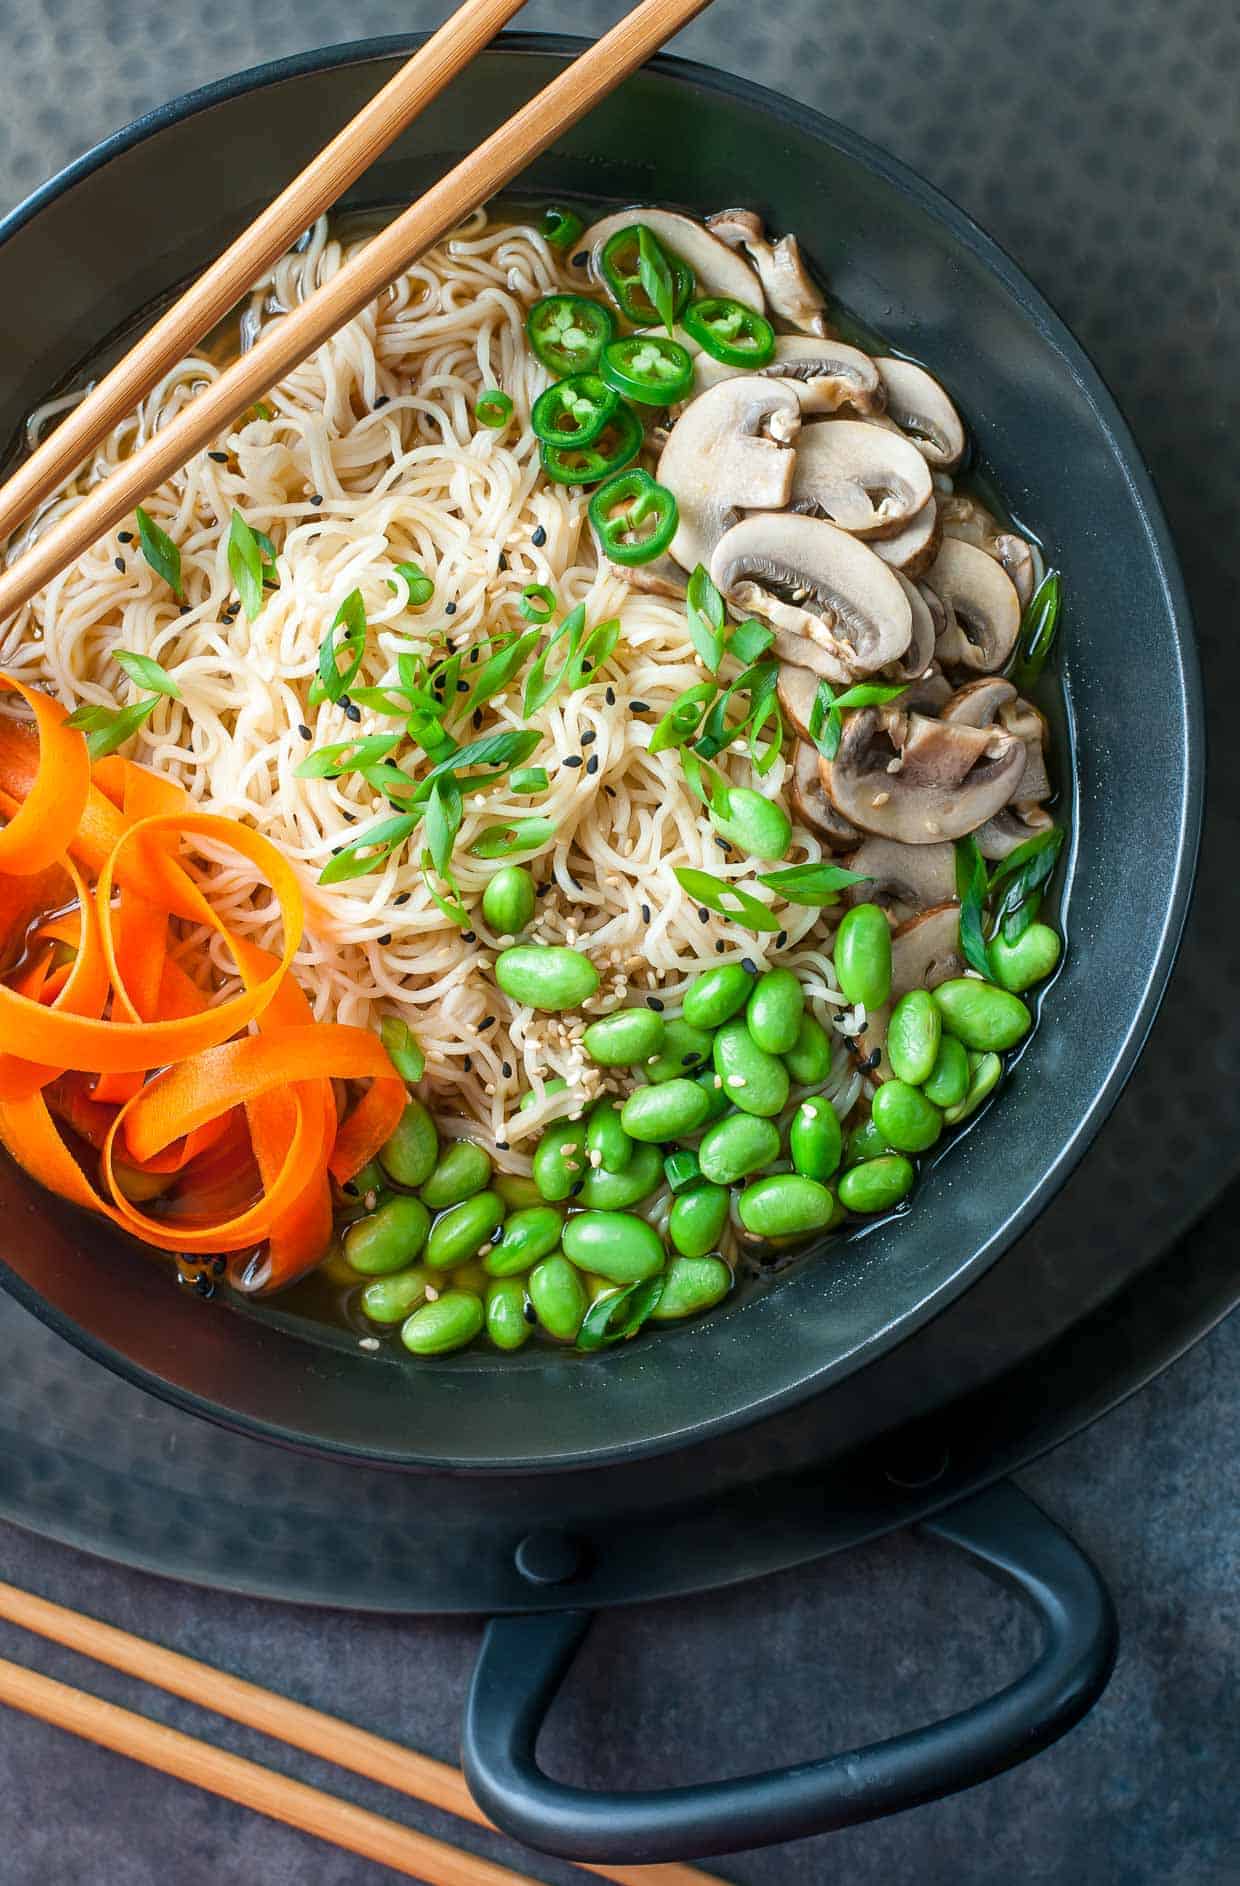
<point>826,725</point>
<point>683,718</point>
<point>107,728</point>
<point>595,647</point>
<point>706,616</point>
<point>417,582</point>
<point>529,779</point>
<point>495,674</point>
<point>160,552</point>
<point>449,901</point>
<point>654,271</point>
<point>1021,876</point>
<point>146,672</point>
<point>493,409</point>
<point>749,640</point>
<point>251,563</point>
<point>612,1318</point>
<point>442,822</point>
<point>346,756</point>
<point>681,1169</point>
<point>366,850</point>
<point>503,841</point>
<point>1037,630</point>
<point>971,890</point>
<point>813,884</point>
<point>402,1049</point>
<point>538,602</point>
<point>719,895</point>
<point>333,681</point>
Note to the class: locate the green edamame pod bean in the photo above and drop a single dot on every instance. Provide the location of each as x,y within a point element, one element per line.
<point>949,1079</point>
<point>559,1297</point>
<point>774,1011</point>
<point>556,1085</point>
<point>984,1017</point>
<point>809,1058</point>
<point>984,1072</point>
<point>448,1323</point>
<point>508,902</point>
<point>737,1146</point>
<point>1030,959</point>
<point>864,1142</point>
<point>666,1112</point>
<point>814,1138</point>
<point>785,1206</point>
<point>392,1299</point>
<point>685,1049</point>
<point>755,1081</point>
<point>516,1190</point>
<point>605,1135</point>
<point>697,1219</point>
<point>613,1191</point>
<point>624,1039</point>
<point>614,1245</point>
<point>527,1235</point>
<point>692,1284</point>
<point>560,1159</point>
<point>505,1313</point>
<point>905,1118</point>
<point>876,1184</point>
<point>548,976</point>
<point>714,997</point>
<point>754,824</point>
<point>390,1238</point>
<point>460,1233</point>
<point>461,1170</point>
<point>409,1156</point>
<point>863,955</point>
<point>913,1036</point>
<point>716,1093</point>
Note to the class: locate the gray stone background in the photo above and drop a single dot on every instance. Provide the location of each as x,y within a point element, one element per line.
<point>1098,141</point>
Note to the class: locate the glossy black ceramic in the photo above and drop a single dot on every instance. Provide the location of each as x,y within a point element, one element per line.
<point>73,268</point>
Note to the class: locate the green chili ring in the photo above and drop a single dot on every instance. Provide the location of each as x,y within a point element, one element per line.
<point>574,411</point>
<point>647,368</point>
<point>730,332</point>
<point>640,498</point>
<point>616,446</point>
<point>568,333</point>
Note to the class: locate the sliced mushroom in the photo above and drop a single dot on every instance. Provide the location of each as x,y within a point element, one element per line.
<point>1011,827</point>
<point>827,373</point>
<point>977,703</point>
<point>790,291</point>
<point>811,804</point>
<point>994,701</point>
<point>920,651</point>
<point>728,452</point>
<point>965,518</point>
<point>660,577</point>
<point>925,951</point>
<point>902,879</point>
<point>921,408</point>
<point>796,688</point>
<point>920,780</point>
<point>981,607</point>
<point>867,480</point>
<point>913,549</point>
<point>718,270</point>
<point>835,607</point>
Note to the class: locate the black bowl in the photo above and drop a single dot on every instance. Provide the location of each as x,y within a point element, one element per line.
<point>121,228</point>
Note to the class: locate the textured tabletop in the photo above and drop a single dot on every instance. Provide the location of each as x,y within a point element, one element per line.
<point>1098,142</point>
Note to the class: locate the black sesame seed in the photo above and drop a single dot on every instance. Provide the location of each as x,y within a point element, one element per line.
<point>346,702</point>
<point>184,609</point>
<point>469,936</point>
<point>720,946</point>
<point>579,261</point>
<point>503,560</point>
<point>610,697</point>
<point>220,458</point>
<point>501,1146</point>
<point>540,890</point>
<point>385,939</point>
<point>588,738</point>
<point>477,718</point>
<point>473,656</point>
<point>384,399</point>
<point>336,850</point>
<point>574,759</point>
<point>402,897</point>
<point>639,707</point>
<point>350,818</point>
<point>587,667</point>
<point>610,791</point>
<point>723,844</point>
<point>316,497</point>
<point>530,1313</point>
<point>749,966</point>
<point>781,939</point>
<point>505,1068</point>
<point>352,713</point>
<point>871,1061</point>
<point>538,537</point>
<point>576,1190</point>
<point>645,913</point>
<point>350,1189</point>
<point>689,1060</point>
<point>124,536</point>
<point>652,1001</point>
<point>592,763</point>
<point>449,608</point>
<point>488,1021</point>
<point>462,687</point>
<point>703,914</point>
<point>305,732</point>
<point>120,564</point>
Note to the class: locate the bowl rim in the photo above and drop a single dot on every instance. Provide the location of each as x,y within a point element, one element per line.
<point>1143,494</point>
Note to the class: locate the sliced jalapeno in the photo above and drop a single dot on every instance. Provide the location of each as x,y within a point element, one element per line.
<point>574,411</point>
<point>647,368</point>
<point>568,333</point>
<point>560,227</point>
<point>620,263</point>
<point>731,332</point>
<point>618,442</point>
<point>620,508</point>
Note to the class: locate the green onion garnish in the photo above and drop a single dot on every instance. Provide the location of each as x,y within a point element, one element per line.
<point>504,841</point>
<point>146,672</point>
<point>683,718</point>
<point>706,617</point>
<point>107,728</point>
<point>448,900</point>
<point>251,562</point>
<point>815,883</point>
<point>726,899</point>
<point>332,681</point>
<point>529,779</point>
<point>654,271</point>
<point>594,647</point>
<point>826,725</point>
<point>367,849</point>
<point>749,640</point>
<point>160,552</point>
<point>971,890</point>
<point>402,1049</point>
<point>346,756</point>
<point>614,1317</point>
<point>1037,630</point>
<point>442,821</point>
<point>538,602</point>
<point>1021,876</point>
<point>417,582</point>
<point>493,409</point>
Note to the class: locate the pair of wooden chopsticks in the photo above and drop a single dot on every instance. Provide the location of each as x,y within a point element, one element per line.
<point>494,163</point>
<point>295,1803</point>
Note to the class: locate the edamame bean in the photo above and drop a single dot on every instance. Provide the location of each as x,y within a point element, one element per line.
<point>905,1118</point>
<point>862,955</point>
<point>547,976</point>
<point>390,1238</point>
<point>692,1284</point>
<point>666,1112</point>
<point>754,824</point>
<point>876,1184</point>
<point>737,1146</point>
<point>560,1159</point>
<point>755,1081</point>
<point>508,902</point>
<point>985,1018</point>
<point>949,1080</point>
<point>556,1085</point>
<point>392,1299</point>
<point>613,1191</point>
<point>463,1169</point>
<point>785,1206</point>
<point>460,1233</point>
<point>685,1049</point>
<point>814,1138</point>
<point>913,1036</point>
<point>409,1156</point>
<point>625,1038</point>
<point>606,1136</point>
<point>505,1313</point>
<point>716,1093</point>
<point>984,1072</point>
<point>774,1011</point>
<point>448,1323</point>
<point>528,1235</point>
<point>558,1296</point>
<point>714,997</point>
<point>614,1245</point>
<point>516,1190</point>
<point>808,1060</point>
<point>1030,959</point>
<point>697,1218</point>
<point>864,1142</point>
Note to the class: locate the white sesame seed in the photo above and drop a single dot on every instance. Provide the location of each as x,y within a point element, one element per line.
<point>736,1080</point>
<point>368,1342</point>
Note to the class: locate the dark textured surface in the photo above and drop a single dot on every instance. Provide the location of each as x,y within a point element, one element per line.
<point>1084,140</point>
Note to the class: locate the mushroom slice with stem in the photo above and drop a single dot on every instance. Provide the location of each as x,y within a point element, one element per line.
<point>797,689</point>
<point>992,701</point>
<point>728,452</point>
<point>925,951</point>
<point>717,269</point>
<point>835,608</point>
<point>810,803</point>
<point>913,549</point>
<point>919,654</point>
<point>920,780</point>
<point>791,292</point>
<point>901,879</point>
<point>867,480</point>
<point>1011,827</point>
<point>980,604</point>
<point>660,577</point>
<point>827,373</point>
<point>965,518</point>
<point>922,409</point>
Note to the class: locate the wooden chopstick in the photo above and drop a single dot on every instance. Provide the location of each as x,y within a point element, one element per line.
<point>315,1733</point>
<point>315,189</point>
<point>494,163</point>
